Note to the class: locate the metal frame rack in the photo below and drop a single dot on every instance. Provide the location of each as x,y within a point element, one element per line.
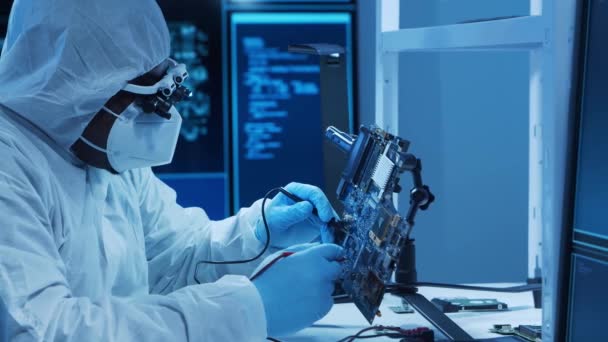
<point>548,33</point>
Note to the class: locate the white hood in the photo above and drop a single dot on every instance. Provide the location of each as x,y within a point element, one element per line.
<point>63,59</point>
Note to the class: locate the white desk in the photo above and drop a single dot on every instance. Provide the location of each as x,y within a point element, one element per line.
<point>344,319</point>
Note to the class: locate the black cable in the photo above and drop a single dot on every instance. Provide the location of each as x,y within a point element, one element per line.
<point>361,332</point>
<point>381,331</point>
<point>353,337</point>
<point>272,339</point>
<point>389,335</point>
<point>244,261</point>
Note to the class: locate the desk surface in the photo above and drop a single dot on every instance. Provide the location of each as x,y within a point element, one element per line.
<point>344,319</point>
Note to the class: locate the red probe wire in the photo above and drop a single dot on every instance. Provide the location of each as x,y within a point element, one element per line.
<point>279,257</point>
<point>267,266</point>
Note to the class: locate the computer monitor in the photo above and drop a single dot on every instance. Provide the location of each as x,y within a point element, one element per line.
<point>586,252</point>
<point>199,172</point>
<point>275,100</point>
<point>590,221</point>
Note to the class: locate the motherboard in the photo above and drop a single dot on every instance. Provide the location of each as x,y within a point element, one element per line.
<point>371,229</point>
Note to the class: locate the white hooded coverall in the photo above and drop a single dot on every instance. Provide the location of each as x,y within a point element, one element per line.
<point>90,256</point>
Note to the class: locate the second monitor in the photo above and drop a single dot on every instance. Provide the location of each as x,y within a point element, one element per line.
<point>277,124</point>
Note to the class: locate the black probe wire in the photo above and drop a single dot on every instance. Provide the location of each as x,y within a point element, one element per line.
<point>389,335</point>
<point>381,331</point>
<point>244,261</point>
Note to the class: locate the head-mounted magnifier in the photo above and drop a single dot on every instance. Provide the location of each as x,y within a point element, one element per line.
<point>164,94</point>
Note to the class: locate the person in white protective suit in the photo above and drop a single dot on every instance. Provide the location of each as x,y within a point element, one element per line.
<point>93,247</point>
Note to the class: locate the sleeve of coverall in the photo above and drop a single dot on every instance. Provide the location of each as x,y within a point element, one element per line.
<point>37,294</point>
<point>177,238</point>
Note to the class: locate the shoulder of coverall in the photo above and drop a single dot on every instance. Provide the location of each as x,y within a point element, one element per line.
<point>24,164</point>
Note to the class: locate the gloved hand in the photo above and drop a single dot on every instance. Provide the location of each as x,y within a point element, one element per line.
<point>290,223</point>
<point>296,290</point>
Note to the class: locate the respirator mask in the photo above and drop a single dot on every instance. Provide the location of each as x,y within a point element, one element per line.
<point>144,134</point>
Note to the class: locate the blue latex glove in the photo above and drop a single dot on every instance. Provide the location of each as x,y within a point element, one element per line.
<point>294,223</point>
<point>297,290</point>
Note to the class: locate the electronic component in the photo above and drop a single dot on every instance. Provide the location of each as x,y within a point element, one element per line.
<point>447,305</point>
<point>371,230</point>
<point>503,329</point>
<point>532,333</point>
<point>404,308</point>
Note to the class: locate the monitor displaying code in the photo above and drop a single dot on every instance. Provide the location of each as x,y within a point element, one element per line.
<point>275,99</point>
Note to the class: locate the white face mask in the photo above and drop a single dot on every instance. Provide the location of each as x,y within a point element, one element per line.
<point>138,139</point>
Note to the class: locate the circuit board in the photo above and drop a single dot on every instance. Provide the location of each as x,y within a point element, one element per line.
<point>372,232</point>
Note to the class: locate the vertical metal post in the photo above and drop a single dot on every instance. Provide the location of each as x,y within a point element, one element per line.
<point>550,107</point>
<point>387,68</point>
<point>538,60</point>
<point>387,71</point>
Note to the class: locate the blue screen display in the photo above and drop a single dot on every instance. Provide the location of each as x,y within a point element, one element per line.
<point>592,183</point>
<point>588,300</point>
<point>199,172</point>
<point>201,142</point>
<point>275,99</point>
